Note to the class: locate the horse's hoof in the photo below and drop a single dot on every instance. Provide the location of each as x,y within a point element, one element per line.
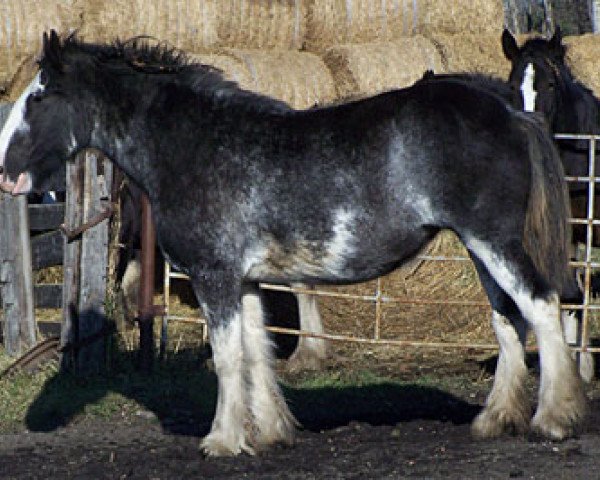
<point>214,446</point>
<point>492,423</point>
<point>586,366</point>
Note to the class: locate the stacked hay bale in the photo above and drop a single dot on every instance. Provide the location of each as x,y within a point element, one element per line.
<point>472,53</point>
<point>195,25</point>
<point>583,53</point>
<point>298,78</point>
<point>332,22</point>
<point>369,68</point>
<point>21,26</point>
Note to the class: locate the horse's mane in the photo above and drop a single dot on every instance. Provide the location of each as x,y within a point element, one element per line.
<point>147,55</point>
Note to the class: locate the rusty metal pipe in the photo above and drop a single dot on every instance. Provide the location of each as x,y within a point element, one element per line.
<point>146,310</point>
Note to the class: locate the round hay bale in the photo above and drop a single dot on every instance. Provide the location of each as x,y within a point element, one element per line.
<point>232,68</point>
<point>370,68</point>
<point>332,22</point>
<point>298,78</point>
<point>260,24</point>
<point>583,52</point>
<point>459,16</point>
<point>186,24</point>
<point>472,53</point>
<point>22,24</point>
<point>197,25</point>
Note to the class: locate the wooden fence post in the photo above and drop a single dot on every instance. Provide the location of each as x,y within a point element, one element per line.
<point>16,282</point>
<point>84,326</point>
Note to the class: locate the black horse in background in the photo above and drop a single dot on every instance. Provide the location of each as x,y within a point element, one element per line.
<point>543,80</point>
<point>245,190</point>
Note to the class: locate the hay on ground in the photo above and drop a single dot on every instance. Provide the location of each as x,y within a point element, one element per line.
<point>22,24</point>
<point>472,53</point>
<point>366,69</point>
<point>583,53</point>
<point>332,22</point>
<point>196,25</point>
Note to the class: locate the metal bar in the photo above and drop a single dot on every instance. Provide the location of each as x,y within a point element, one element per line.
<point>146,310</point>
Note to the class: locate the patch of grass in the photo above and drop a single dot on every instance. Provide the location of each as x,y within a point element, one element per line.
<point>45,400</point>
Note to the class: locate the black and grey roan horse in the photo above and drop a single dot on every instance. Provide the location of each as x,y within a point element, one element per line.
<point>245,189</point>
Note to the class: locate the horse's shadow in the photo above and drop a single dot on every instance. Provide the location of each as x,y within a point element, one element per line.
<point>181,395</point>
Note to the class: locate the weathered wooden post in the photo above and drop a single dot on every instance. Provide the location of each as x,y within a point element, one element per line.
<point>84,328</point>
<point>16,282</point>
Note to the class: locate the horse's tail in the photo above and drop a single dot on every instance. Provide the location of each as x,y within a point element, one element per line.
<point>547,235</point>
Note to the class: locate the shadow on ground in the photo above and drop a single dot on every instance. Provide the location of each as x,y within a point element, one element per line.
<point>181,395</point>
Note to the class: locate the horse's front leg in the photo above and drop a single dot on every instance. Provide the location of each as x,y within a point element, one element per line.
<point>271,419</point>
<point>229,434</point>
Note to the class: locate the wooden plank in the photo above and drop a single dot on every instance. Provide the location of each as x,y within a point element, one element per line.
<point>48,295</point>
<point>16,275</point>
<point>94,258</point>
<point>16,280</point>
<point>46,217</point>
<point>47,250</point>
<point>71,259</point>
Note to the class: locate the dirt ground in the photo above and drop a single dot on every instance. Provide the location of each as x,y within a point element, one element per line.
<point>380,432</point>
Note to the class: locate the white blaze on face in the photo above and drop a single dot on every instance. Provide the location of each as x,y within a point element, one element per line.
<point>527,88</point>
<point>16,119</point>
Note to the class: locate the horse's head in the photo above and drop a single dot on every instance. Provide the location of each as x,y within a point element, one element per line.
<point>537,71</point>
<point>43,128</point>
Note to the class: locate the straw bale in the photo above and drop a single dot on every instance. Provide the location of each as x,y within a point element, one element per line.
<point>472,53</point>
<point>232,68</point>
<point>583,52</point>
<point>370,68</point>
<point>197,25</point>
<point>262,24</point>
<point>186,24</point>
<point>21,26</point>
<point>459,16</point>
<point>331,22</point>
<point>298,78</point>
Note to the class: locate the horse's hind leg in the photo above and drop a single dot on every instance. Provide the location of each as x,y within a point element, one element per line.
<point>310,352</point>
<point>272,422</point>
<point>562,401</point>
<point>507,408</point>
<point>222,308</point>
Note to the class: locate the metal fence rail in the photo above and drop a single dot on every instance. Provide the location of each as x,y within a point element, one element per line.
<point>586,265</point>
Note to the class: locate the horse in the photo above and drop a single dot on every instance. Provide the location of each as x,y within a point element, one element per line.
<point>282,309</point>
<point>571,321</point>
<point>543,82</point>
<point>245,189</point>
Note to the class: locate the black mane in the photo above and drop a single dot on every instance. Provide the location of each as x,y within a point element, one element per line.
<point>146,55</point>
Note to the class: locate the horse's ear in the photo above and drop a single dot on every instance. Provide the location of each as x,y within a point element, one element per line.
<point>52,49</point>
<point>556,44</point>
<point>509,45</point>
